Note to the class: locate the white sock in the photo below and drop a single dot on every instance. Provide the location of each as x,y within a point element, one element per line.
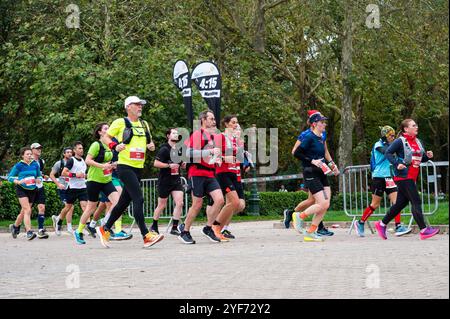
<point>69,225</point>
<point>92,224</point>
<point>57,219</point>
<point>382,224</point>
<point>225,228</point>
<point>105,220</point>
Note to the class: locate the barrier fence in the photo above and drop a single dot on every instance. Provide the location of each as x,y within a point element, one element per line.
<point>357,195</point>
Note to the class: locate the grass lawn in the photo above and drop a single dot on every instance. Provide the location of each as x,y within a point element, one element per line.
<point>439,218</point>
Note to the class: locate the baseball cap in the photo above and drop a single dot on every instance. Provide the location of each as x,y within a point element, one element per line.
<point>134,99</point>
<point>386,130</point>
<point>67,149</point>
<point>312,112</point>
<point>317,117</point>
<point>35,145</point>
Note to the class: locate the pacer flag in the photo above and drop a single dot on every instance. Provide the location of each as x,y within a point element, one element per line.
<point>182,80</point>
<point>207,77</point>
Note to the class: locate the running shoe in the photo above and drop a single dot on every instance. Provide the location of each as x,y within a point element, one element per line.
<point>287,213</point>
<point>209,232</point>
<point>381,230</point>
<point>324,232</point>
<point>104,235</point>
<point>313,237</point>
<point>401,230</point>
<point>56,226</point>
<point>42,234</point>
<point>31,235</point>
<point>359,227</point>
<point>227,234</point>
<point>13,231</point>
<point>152,238</point>
<point>428,232</point>
<point>186,238</point>
<point>298,222</point>
<point>79,238</point>
<point>180,228</point>
<point>175,232</point>
<point>91,231</point>
<point>217,231</point>
<point>122,235</point>
<point>70,230</point>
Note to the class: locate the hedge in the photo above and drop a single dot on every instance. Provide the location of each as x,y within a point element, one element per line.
<point>271,203</point>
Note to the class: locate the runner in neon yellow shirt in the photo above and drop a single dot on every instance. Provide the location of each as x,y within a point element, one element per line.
<point>134,139</point>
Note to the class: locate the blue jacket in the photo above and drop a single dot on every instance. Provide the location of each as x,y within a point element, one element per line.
<point>23,170</point>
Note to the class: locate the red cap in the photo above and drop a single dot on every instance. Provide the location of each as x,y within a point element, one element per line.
<point>312,112</point>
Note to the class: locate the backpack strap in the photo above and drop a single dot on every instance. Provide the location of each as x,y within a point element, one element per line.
<point>100,158</point>
<point>148,135</point>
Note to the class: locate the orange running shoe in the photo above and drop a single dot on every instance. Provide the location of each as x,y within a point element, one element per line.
<point>103,235</point>
<point>218,232</point>
<point>152,238</point>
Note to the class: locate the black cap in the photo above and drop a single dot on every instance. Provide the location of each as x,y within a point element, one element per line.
<point>317,117</point>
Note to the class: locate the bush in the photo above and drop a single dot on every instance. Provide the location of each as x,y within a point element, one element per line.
<point>10,207</point>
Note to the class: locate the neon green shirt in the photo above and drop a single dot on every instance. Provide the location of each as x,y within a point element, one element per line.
<point>134,153</point>
<point>96,174</point>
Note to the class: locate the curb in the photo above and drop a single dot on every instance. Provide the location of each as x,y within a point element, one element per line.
<point>443,229</point>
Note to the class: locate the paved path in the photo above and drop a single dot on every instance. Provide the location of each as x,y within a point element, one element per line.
<point>264,262</point>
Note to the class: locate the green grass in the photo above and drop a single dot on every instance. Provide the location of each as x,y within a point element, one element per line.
<point>441,217</point>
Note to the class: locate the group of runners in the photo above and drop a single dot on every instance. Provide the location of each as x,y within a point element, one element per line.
<point>215,162</point>
<point>395,166</point>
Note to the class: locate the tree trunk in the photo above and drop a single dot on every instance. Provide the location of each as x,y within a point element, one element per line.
<point>345,138</point>
<point>259,27</point>
<point>359,130</point>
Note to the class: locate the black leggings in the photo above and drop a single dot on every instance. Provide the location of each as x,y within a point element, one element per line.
<point>130,177</point>
<point>407,192</point>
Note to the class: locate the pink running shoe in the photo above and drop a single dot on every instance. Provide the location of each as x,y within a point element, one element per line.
<point>381,230</point>
<point>428,233</point>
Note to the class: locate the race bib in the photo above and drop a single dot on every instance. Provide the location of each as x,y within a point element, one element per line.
<point>29,181</point>
<point>390,183</point>
<point>325,169</point>
<point>416,160</point>
<point>137,154</point>
<point>107,172</point>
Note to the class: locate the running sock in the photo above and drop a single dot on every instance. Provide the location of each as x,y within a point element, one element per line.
<point>41,219</point>
<point>225,227</point>
<point>118,225</point>
<point>216,223</point>
<point>60,221</point>
<point>92,224</point>
<point>312,229</point>
<point>105,220</point>
<point>69,225</point>
<point>155,223</point>
<point>175,223</point>
<point>80,228</point>
<point>367,212</point>
<point>398,219</point>
<point>303,215</point>
<point>382,224</point>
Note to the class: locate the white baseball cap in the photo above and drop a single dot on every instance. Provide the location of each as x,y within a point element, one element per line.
<point>35,145</point>
<point>134,99</point>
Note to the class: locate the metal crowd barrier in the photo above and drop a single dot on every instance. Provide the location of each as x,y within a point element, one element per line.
<point>357,195</point>
<point>150,193</point>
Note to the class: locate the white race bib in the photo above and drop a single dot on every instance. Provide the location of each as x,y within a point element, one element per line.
<point>390,183</point>
<point>137,154</point>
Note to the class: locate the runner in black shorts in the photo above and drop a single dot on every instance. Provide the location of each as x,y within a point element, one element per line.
<point>227,174</point>
<point>25,175</point>
<point>169,181</point>
<point>312,154</point>
<point>205,155</point>
<point>36,148</point>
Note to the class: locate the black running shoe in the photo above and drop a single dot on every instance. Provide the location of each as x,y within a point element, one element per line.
<point>42,234</point>
<point>175,232</point>
<point>227,234</point>
<point>287,213</point>
<point>325,232</point>
<point>91,230</point>
<point>180,228</point>
<point>13,231</point>
<point>208,232</point>
<point>31,235</point>
<point>186,238</point>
